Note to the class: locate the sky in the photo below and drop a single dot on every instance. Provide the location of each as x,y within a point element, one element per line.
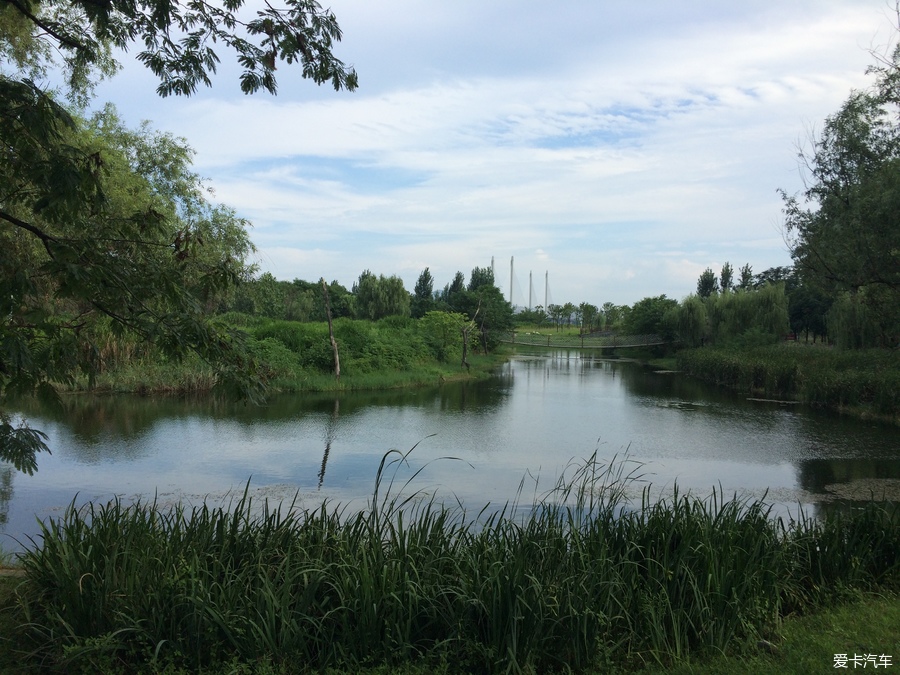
<point>615,149</point>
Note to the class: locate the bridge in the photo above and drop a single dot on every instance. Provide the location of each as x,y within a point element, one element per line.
<point>605,341</point>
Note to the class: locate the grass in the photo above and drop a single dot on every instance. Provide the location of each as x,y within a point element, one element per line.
<point>802,645</point>
<point>808,644</point>
<point>297,357</point>
<point>580,579</point>
<point>863,382</point>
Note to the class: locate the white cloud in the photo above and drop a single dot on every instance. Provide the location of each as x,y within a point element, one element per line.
<point>563,133</point>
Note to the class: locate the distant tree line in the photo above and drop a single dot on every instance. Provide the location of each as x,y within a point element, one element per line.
<point>376,297</point>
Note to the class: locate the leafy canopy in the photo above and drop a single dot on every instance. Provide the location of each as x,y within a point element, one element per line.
<point>106,230</point>
<point>846,231</point>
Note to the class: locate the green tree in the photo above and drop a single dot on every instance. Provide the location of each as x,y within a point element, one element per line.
<point>746,280</point>
<point>481,276</point>
<point>589,314</point>
<point>423,295</point>
<point>707,284</point>
<point>726,277</point>
<point>691,321</point>
<point>535,316</point>
<point>104,227</point>
<point>132,247</point>
<point>612,315</point>
<point>648,316</point>
<point>378,297</point>
<point>568,310</point>
<point>177,41</point>
<point>451,296</point>
<point>555,312</point>
<point>776,275</point>
<point>807,309</point>
<point>844,230</point>
<point>442,332</point>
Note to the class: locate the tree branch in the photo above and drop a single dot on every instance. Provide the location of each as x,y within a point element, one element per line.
<point>69,42</point>
<point>45,238</point>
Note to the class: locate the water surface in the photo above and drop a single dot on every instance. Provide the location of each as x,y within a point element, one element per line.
<point>520,429</point>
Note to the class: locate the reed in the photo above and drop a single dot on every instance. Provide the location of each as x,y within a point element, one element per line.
<point>867,381</point>
<point>578,578</point>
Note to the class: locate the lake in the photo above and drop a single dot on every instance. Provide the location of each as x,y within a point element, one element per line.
<point>477,442</point>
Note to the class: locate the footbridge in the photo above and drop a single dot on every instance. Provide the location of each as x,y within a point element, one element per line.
<point>605,341</point>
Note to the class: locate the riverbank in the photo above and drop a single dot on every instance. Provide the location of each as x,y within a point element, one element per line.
<point>297,357</point>
<point>582,579</point>
<point>863,383</point>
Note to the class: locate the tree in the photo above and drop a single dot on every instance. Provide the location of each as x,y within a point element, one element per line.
<point>707,284</point>
<point>481,276</point>
<point>647,316</point>
<point>378,297</point>
<point>807,308</point>
<point>106,229</point>
<point>555,312</point>
<point>777,275</point>
<point>691,321</point>
<point>746,281</point>
<point>726,277</point>
<point>442,331</point>
<point>84,34</point>
<point>612,314</point>
<point>130,246</point>
<point>589,315</point>
<point>844,230</point>
<point>423,300</point>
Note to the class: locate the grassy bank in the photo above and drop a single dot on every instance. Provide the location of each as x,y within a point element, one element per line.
<point>865,383</point>
<point>293,357</point>
<point>582,580</point>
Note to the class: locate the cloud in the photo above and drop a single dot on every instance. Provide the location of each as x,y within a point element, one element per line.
<point>561,134</point>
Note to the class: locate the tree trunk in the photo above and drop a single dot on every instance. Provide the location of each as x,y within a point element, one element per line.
<point>334,347</point>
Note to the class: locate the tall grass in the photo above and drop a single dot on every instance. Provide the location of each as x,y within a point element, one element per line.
<point>580,578</point>
<point>840,379</point>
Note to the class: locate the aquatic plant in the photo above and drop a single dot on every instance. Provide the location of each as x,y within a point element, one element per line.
<point>579,577</point>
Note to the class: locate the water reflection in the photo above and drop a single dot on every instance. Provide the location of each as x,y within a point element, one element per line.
<point>540,412</point>
<point>6,493</point>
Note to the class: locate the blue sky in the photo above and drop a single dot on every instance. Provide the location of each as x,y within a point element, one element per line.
<point>621,147</point>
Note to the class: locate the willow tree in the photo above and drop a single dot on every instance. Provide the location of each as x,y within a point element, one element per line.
<point>99,225</point>
<point>844,229</point>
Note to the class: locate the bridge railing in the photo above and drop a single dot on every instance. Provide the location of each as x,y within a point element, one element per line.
<point>587,341</point>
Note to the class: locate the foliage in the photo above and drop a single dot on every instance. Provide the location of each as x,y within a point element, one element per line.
<point>746,281</point>
<point>807,307</point>
<point>649,316</point>
<point>590,315</point>
<point>865,379</point>
<point>442,332</point>
<point>97,220</point>
<point>691,321</point>
<point>126,243</point>
<point>378,297</point>
<point>574,581</point>
<point>423,295</point>
<point>613,315</point>
<point>726,277</point>
<point>177,41</point>
<point>867,318</point>
<point>531,317</point>
<point>707,284</point>
<point>480,276</point>
<point>845,233</point>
